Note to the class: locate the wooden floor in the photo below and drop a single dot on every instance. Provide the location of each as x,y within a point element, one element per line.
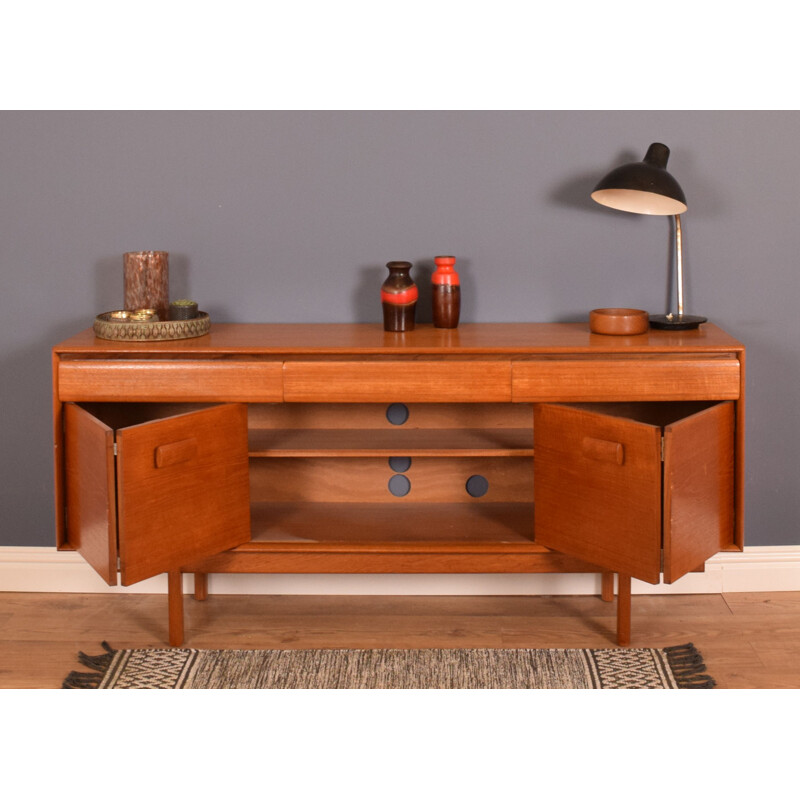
<point>749,641</point>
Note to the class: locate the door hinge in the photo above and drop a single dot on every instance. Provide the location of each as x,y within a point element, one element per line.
<point>115,451</point>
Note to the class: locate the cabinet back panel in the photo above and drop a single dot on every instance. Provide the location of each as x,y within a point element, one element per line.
<point>367,480</point>
<point>359,416</point>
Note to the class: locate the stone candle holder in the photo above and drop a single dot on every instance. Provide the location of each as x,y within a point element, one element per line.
<point>147,281</point>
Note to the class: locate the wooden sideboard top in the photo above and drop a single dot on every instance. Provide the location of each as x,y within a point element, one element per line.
<point>371,339</point>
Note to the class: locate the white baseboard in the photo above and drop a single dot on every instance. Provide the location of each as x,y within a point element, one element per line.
<point>757,569</point>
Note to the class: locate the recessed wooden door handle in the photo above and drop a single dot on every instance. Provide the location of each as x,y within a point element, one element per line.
<point>603,450</point>
<point>175,452</point>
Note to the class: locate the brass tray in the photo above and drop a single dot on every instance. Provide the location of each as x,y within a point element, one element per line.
<point>132,331</point>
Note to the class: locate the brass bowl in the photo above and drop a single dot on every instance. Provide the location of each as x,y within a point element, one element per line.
<point>106,326</point>
<point>619,321</point>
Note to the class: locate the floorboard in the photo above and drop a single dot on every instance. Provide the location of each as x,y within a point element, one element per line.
<point>749,641</point>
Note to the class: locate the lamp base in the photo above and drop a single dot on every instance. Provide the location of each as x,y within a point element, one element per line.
<point>675,322</point>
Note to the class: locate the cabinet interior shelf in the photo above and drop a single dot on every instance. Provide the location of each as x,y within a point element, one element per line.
<point>387,526</point>
<point>330,443</point>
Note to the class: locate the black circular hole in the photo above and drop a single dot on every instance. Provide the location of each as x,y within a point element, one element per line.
<point>400,463</point>
<point>399,485</point>
<point>477,486</point>
<point>397,413</point>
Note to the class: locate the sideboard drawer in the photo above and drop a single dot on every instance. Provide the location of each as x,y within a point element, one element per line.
<point>157,381</point>
<point>388,381</point>
<point>633,379</point>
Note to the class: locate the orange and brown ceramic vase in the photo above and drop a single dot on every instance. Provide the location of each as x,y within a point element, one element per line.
<point>399,295</point>
<point>446,293</point>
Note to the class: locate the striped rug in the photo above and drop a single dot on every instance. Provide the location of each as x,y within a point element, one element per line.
<point>679,667</point>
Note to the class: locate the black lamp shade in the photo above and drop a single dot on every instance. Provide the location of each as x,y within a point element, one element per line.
<point>644,187</point>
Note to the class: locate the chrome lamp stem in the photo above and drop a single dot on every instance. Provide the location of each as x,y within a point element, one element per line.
<point>679,262</point>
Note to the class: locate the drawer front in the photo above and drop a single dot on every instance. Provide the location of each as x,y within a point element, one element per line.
<point>389,381</point>
<point>632,379</point>
<point>157,381</point>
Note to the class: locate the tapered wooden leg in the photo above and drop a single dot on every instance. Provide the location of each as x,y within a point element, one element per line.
<point>607,587</point>
<point>201,586</point>
<point>623,610</point>
<point>175,600</point>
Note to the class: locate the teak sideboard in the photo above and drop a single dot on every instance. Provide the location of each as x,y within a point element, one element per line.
<point>339,448</point>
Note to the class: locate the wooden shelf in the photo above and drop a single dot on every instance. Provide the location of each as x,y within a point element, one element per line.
<point>308,443</point>
<point>389,527</point>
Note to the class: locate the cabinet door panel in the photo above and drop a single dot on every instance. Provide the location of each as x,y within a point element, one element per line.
<point>183,490</point>
<point>91,513</point>
<point>698,489</point>
<point>597,489</point>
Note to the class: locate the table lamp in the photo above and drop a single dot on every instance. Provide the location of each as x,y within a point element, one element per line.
<point>645,187</point>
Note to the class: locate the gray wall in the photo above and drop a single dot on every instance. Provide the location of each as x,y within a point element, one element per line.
<point>290,216</point>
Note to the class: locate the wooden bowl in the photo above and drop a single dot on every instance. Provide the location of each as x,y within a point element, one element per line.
<point>618,321</point>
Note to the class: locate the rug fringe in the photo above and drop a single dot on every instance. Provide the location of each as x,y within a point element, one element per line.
<point>688,667</point>
<point>90,680</point>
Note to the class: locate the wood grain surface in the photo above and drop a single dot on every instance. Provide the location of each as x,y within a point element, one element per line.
<point>748,640</point>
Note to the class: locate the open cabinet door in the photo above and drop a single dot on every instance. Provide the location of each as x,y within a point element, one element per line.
<point>698,489</point>
<point>91,513</point>
<point>183,490</point>
<point>597,489</point>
